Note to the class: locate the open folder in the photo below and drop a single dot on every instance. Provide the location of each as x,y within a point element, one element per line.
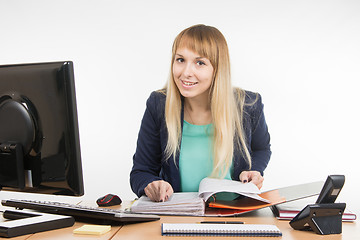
<point>276,196</point>
<point>222,197</point>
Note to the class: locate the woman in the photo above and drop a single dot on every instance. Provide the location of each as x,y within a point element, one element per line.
<point>199,125</point>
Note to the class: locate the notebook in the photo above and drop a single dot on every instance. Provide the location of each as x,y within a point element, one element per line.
<point>243,230</point>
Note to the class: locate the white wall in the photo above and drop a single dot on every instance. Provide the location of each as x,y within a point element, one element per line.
<point>302,56</point>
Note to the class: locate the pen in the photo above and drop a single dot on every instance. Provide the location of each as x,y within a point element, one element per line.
<point>223,222</point>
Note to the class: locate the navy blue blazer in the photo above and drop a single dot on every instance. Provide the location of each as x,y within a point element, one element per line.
<point>149,163</point>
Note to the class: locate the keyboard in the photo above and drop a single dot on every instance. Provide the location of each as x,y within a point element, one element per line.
<point>81,213</point>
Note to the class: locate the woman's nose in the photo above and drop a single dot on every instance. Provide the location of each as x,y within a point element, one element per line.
<point>188,70</point>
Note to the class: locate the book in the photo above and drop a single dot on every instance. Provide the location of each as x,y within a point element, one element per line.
<point>288,210</point>
<point>194,229</point>
<point>216,197</point>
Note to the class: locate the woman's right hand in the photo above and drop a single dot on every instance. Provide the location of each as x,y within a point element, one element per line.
<point>159,191</point>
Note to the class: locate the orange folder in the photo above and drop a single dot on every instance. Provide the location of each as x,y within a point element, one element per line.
<point>276,196</point>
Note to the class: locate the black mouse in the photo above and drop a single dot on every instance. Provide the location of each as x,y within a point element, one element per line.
<point>108,200</point>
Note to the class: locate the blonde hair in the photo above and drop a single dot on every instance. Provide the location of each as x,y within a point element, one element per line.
<point>226,102</point>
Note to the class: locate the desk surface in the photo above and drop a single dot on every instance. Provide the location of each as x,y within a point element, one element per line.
<point>152,230</point>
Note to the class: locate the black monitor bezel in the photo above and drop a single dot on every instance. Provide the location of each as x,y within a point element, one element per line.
<point>63,75</point>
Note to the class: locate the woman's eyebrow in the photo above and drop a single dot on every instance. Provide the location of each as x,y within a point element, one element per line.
<point>179,55</point>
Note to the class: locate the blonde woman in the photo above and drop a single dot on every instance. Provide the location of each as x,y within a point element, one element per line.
<point>199,125</point>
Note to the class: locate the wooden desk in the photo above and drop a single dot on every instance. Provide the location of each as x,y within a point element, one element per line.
<point>152,230</point>
<point>65,233</point>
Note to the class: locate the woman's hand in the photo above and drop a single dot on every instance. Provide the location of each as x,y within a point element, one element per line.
<point>159,191</point>
<point>252,176</point>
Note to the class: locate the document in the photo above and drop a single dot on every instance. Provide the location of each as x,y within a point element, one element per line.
<point>210,186</point>
<point>184,203</point>
<point>221,197</point>
<point>195,203</point>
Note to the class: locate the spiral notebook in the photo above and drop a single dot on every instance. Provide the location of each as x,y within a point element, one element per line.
<point>243,230</point>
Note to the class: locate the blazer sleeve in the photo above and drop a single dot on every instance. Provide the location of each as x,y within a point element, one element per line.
<point>260,138</point>
<point>148,155</point>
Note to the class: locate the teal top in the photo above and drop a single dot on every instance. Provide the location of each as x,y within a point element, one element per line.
<point>196,156</point>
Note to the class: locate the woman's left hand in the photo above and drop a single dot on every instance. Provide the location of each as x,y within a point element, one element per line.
<point>252,176</point>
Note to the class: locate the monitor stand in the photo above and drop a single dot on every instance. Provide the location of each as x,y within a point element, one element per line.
<point>27,222</point>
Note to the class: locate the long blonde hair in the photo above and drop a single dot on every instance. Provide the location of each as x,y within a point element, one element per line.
<point>226,102</point>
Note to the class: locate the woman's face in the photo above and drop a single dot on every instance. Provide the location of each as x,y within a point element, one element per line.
<point>193,74</point>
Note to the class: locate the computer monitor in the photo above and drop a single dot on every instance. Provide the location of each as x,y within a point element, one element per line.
<point>39,135</point>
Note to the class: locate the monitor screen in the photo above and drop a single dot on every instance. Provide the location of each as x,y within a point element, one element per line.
<point>39,135</point>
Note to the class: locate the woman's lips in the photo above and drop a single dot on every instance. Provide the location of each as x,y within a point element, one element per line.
<point>188,83</point>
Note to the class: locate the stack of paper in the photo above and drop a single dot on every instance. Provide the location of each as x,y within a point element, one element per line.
<point>211,186</point>
<point>188,203</point>
<point>193,203</point>
<point>222,201</point>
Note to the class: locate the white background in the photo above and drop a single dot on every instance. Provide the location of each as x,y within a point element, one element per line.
<point>302,56</point>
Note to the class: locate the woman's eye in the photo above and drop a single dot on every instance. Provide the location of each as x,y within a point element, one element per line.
<point>200,63</point>
<point>180,60</point>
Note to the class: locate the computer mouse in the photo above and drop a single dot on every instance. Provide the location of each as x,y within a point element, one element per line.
<point>108,200</point>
